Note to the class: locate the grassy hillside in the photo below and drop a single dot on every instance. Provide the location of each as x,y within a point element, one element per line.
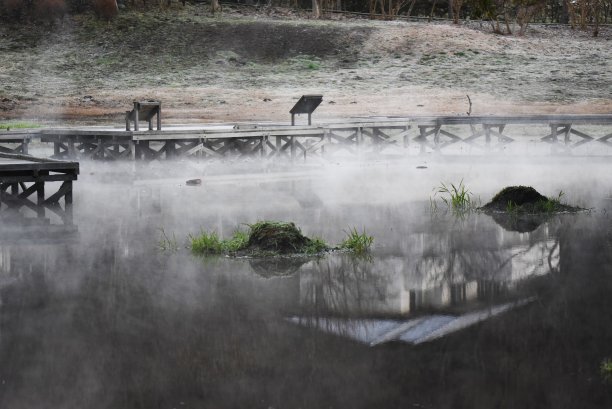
<point>223,67</point>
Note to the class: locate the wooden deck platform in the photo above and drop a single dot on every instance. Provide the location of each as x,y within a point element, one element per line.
<point>422,134</point>
<point>22,177</point>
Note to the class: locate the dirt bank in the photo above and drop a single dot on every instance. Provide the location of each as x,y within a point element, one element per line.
<point>252,67</point>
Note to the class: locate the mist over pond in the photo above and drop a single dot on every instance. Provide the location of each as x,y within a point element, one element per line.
<point>100,317</point>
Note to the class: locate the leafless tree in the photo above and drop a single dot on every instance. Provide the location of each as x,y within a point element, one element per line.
<point>456,6</point>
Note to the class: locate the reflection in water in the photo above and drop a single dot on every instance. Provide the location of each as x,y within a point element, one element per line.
<point>462,275</point>
<point>522,223</point>
<point>15,226</point>
<point>277,266</point>
<point>440,272</point>
<point>414,331</point>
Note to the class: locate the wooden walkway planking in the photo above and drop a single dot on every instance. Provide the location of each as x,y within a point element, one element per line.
<point>428,133</point>
<point>22,177</point>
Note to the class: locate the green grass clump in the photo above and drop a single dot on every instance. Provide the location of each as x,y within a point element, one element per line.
<point>264,238</point>
<point>207,243</point>
<point>511,207</point>
<point>358,243</point>
<point>456,197</point>
<point>274,238</point>
<point>550,204</point>
<point>211,243</point>
<point>606,370</point>
<point>238,242</point>
<point>17,125</point>
<point>316,246</point>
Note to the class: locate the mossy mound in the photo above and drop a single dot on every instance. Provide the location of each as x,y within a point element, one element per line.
<point>514,196</point>
<point>525,200</point>
<point>277,237</point>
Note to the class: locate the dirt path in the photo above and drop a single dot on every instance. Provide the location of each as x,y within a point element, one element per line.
<point>236,67</point>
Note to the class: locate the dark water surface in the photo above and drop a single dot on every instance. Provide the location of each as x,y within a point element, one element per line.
<point>101,318</point>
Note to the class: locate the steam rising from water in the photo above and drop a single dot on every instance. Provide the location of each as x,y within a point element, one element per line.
<point>101,319</point>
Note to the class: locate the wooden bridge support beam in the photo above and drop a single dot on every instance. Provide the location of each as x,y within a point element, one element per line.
<point>16,146</point>
<point>19,197</point>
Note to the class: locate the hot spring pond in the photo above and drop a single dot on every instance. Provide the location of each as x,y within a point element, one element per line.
<point>446,310</point>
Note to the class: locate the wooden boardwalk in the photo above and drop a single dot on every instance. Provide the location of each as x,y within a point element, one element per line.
<point>23,178</point>
<point>15,141</point>
<point>417,134</point>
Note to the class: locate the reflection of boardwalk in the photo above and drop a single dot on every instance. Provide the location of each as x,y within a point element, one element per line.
<point>25,183</point>
<point>411,134</point>
<point>415,331</point>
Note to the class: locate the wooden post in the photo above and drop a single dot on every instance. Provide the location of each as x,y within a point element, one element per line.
<point>422,139</point>
<point>136,119</point>
<point>553,133</point>
<point>170,149</point>
<point>100,149</point>
<point>568,129</point>
<point>71,149</point>
<point>437,137</point>
<point>159,117</point>
<point>293,147</point>
<point>68,203</point>
<point>376,140</point>
<point>40,198</point>
<point>262,146</point>
<point>553,138</point>
<point>292,119</point>
<point>500,138</point>
<point>309,118</point>
<point>132,148</point>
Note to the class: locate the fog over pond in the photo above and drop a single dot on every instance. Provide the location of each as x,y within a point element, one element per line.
<point>96,315</point>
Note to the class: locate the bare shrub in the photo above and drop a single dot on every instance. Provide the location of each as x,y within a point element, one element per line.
<point>13,8</point>
<point>525,13</point>
<point>456,6</point>
<point>49,10</point>
<point>106,9</point>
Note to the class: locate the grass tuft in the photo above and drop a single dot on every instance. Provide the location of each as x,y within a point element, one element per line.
<point>239,241</point>
<point>606,370</point>
<point>358,243</point>
<point>211,243</point>
<point>316,246</point>
<point>206,243</point>
<point>456,197</point>
<point>165,242</point>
